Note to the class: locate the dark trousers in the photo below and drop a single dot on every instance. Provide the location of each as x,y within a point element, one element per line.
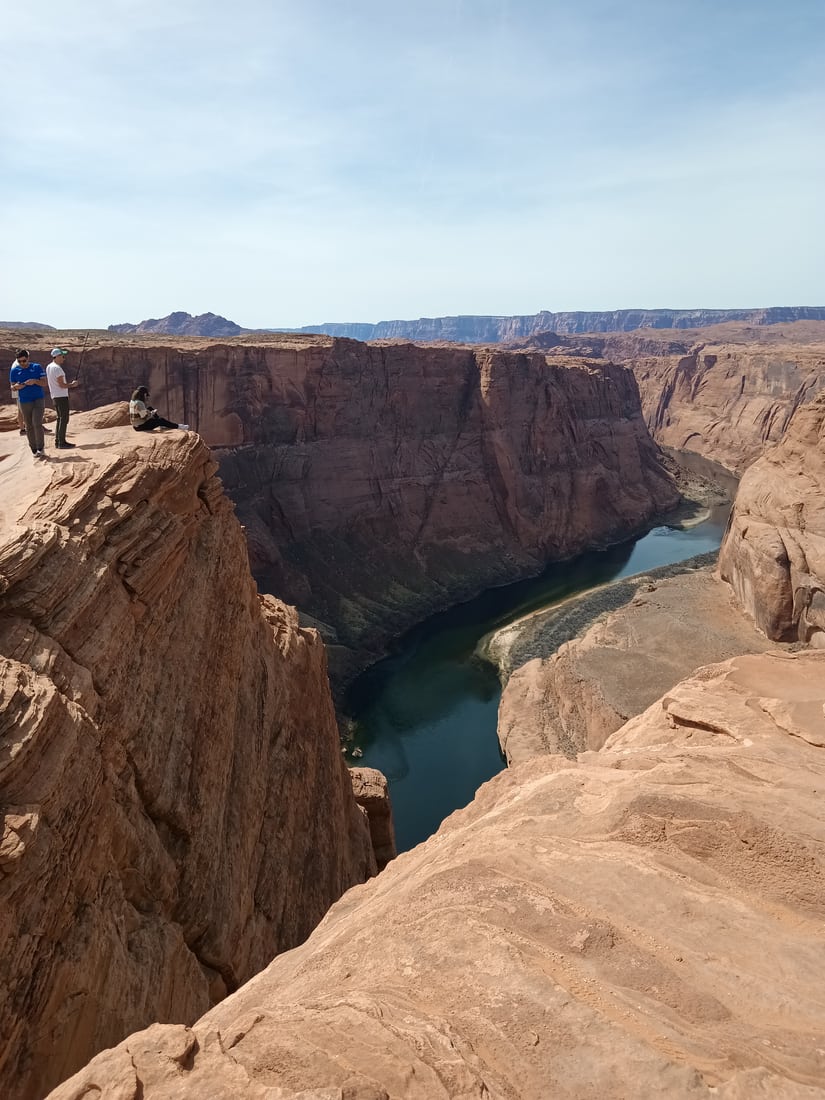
<point>33,419</point>
<point>154,421</point>
<point>61,405</point>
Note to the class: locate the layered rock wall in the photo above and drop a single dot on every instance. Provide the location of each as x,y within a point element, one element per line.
<point>175,807</point>
<point>572,696</point>
<point>380,483</point>
<point>475,468</point>
<point>729,401</point>
<point>490,330</point>
<point>774,552</point>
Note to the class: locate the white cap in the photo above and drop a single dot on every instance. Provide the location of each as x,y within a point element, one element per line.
<point>58,351</point>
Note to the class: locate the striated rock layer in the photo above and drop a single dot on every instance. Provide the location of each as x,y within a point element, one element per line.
<point>774,552</point>
<point>729,396</point>
<point>489,330</point>
<point>573,696</point>
<point>725,392</point>
<point>411,477</point>
<point>380,483</point>
<point>175,807</point>
<point>646,921</point>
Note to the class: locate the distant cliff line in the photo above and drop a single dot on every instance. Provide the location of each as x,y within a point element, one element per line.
<point>494,330</point>
<point>486,330</point>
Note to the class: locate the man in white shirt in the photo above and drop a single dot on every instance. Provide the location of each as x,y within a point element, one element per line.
<point>59,389</point>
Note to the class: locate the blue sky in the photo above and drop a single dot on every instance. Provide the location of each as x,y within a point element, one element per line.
<point>285,162</point>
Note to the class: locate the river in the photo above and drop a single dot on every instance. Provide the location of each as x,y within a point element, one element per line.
<point>426,716</point>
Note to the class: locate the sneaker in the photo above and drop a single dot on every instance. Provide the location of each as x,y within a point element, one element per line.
<point>184,427</point>
<point>64,445</point>
<point>22,431</point>
<point>39,454</point>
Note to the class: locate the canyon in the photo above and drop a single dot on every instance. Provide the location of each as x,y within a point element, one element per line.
<point>606,925</point>
<point>377,484</point>
<point>640,920</point>
<point>493,330</point>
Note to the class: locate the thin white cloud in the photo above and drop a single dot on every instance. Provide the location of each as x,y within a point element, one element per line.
<point>285,162</point>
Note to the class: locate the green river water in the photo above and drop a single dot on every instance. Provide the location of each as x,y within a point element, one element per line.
<point>426,715</point>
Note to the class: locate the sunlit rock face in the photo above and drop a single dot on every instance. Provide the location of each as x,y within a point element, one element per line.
<point>774,552</point>
<point>646,921</point>
<point>491,330</point>
<point>400,479</point>
<point>175,807</point>
<point>729,399</point>
<point>379,483</point>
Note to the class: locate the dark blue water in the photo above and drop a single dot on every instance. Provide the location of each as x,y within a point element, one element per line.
<point>426,715</point>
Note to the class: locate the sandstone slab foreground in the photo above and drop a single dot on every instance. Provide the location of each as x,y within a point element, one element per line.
<point>644,922</point>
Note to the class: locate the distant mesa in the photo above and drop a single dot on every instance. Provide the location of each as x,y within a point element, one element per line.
<point>537,330</point>
<point>35,326</point>
<point>495,330</point>
<point>489,329</point>
<point>183,324</point>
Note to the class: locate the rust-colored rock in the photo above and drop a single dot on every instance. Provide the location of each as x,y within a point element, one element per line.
<point>580,693</point>
<point>377,483</point>
<point>174,803</point>
<point>774,552</point>
<point>371,792</point>
<point>646,921</point>
<point>729,398</point>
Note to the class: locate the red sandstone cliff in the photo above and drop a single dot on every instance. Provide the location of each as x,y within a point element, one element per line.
<point>175,807</point>
<point>728,393</point>
<point>379,483</point>
<point>773,558</point>
<point>774,552</point>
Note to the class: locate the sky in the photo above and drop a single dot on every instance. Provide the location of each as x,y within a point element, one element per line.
<point>290,162</point>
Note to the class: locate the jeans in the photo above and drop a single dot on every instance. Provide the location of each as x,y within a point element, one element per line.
<point>154,421</point>
<point>33,419</point>
<point>61,405</point>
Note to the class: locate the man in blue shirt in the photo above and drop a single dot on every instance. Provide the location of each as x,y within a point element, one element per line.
<point>27,381</point>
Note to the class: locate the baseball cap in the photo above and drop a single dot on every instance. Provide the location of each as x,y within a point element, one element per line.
<point>58,351</point>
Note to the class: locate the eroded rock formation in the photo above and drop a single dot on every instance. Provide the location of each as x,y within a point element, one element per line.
<point>582,691</point>
<point>491,330</point>
<point>175,807</point>
<point>725,392</point>
<point>774,552</point>
<point>181,324</point>
<point>730,399</point>
<point>572,697</point>
<point>643,922</point>
<point>380,483</point>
